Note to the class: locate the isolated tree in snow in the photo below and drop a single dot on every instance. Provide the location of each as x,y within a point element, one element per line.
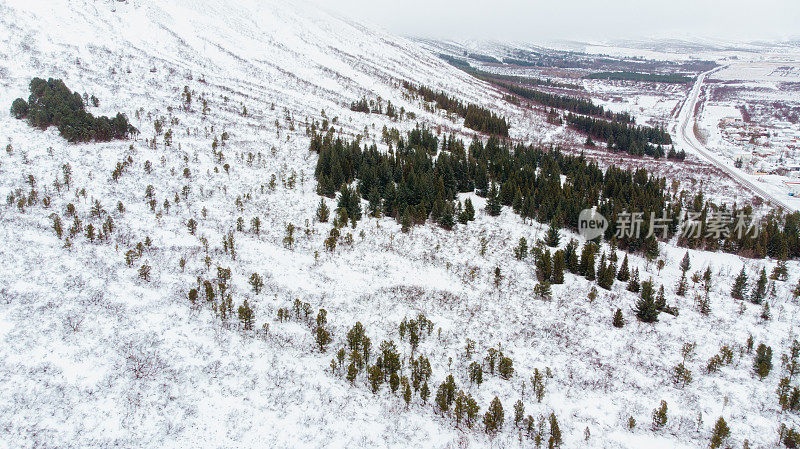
<point>144,272</point>
<point>685,263</point>
<point>472,410</point>
<point>521,250</point>
<point>660,416</point>
<point>246,315</point>
<point>760,289</point>
<point>762,364</point>
<point>256,282</point>
<point>720,433</point>
<point>646,310</point>
<point>494,417</point>
<point>475,371</point>
<point>57,226</point>
<point>737,291</point>
<point>618,320</point>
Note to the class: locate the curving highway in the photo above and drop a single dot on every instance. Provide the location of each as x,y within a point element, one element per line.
<point>685,137</point>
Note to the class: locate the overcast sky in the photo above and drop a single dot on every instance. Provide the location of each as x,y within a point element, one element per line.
<point>533,20</point>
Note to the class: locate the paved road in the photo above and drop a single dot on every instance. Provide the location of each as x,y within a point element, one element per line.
<point>685,136</point>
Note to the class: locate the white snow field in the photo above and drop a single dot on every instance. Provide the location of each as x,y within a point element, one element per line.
<point>93,356</point>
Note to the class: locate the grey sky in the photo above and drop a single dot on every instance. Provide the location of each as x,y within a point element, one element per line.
<point>579,19</point>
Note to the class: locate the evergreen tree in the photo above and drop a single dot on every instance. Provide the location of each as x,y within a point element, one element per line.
<point>586,265</point>
<point>661,300</point>
<point>660,416</point>
<point>623,275</point>
<point>246,315</point>
<point>646,310</point>
<point>19,108</point>
<point>555,433</point>
<point>405,223</point>
<point>685,263</point>
<point>780,272</point>
<point>256,282</point>
<point>323,211</point>
<point>493,204</point>
<point>349,202</point>
<point>544,266</point>
<point>374,206</point>
<point>406,390</point>
<point>605,274</point>
<point>424,392</point>
<point>737,291</point>
<point>618,321</point>
<point>762,364</point>
<point>553,238</point>
<point>796,291</point>
<point>571,257</point>
<point>633,284</point>
<point>720,433</point>
<point>760,289</point>
<point>682,285</point>
<point>493,419</point>
<point>521,250</point>
<point>559,265</point>
<point>519,412</point>
<point>447,219</point>
<point>375,378</point>
<point>321,335</point>
<point>468,214</point>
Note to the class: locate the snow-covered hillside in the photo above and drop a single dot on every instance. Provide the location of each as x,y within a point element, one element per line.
<point>94,355</point>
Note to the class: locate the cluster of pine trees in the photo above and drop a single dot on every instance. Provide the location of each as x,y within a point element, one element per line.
<point>420,177</point>
<point>475,117</point>
<point>409,184</point>
<point>376,107</point>
<point>52,103</point>
<point>776,235</point>
<point>572,104</point>
<point>624,137</point>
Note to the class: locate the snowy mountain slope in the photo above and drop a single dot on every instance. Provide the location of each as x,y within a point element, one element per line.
<point>94,356</point>
<point>302,58</point>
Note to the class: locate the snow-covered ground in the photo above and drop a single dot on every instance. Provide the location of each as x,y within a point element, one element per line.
<point>91,355</point>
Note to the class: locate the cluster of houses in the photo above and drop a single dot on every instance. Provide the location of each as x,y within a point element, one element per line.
<point>763,151</point>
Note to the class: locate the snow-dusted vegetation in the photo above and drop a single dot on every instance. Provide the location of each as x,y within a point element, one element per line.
<point>185,285</point>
